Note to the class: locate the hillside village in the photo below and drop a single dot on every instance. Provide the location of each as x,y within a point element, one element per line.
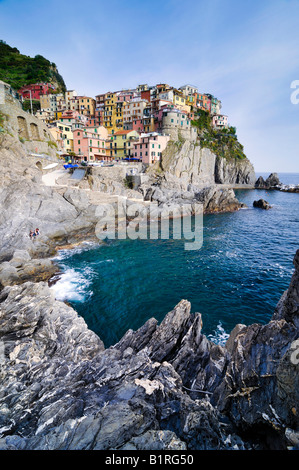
<point>133,124</point>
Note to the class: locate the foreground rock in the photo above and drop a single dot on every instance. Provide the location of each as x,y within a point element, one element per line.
<point>61,390</point>
<point>161,387</point>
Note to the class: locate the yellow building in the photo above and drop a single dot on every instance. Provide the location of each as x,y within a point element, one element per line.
<point>83,104</point>
<point>121,144</point>
<point>67,137</point>
<point>180,101</point>
<point>113,112</point>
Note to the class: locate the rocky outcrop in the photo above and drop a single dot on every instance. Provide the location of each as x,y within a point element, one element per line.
<point>262,204</point>
<point>68,392</point>
<point>187,163</point>
<point>61,218</point>
<point>235,172</point>
<point>271,182</point>
<point>212,199</point>
<point>161,387</point>
<point>22,268</point>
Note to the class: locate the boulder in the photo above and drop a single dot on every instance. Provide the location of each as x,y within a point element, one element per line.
<point>261,204</point>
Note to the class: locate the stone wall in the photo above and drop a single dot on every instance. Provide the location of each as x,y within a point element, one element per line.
<point>30,130</point>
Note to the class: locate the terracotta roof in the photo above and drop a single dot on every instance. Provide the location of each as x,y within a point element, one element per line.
<point>122,132</point>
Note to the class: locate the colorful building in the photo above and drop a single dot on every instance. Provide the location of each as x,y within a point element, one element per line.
<point>52,102</point>
<point>133,111</point>
<point>35,90</point>
<point>202,101</point>
<point>73,118</point>
<point>66,135</point>
<point>90,143</point>
<point>83,104</point>
<point>69,95</point>
<point>215,104</point>
<point>220,121</point>
<point>121,144</point>
<point>149,147</point>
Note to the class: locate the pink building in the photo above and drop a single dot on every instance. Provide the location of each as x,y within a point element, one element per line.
<point>220,121</point>
<point>150,146</point>
<point>90,143</point>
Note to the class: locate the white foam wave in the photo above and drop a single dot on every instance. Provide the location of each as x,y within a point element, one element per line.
<point>219,336</point>
<point>73,285</point>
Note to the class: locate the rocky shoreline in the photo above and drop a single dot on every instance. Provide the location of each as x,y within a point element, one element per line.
<point>273,183</point>
<point>162,387</point>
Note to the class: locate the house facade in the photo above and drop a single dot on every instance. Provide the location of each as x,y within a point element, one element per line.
<point>149,147</point>
<point>220,121</point>
<point>121,144</point>
<point>35,90</point>
<point>90,143</point>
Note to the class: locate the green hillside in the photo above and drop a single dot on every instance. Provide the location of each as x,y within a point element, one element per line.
<point>222,142</point>
<point>18,69</point>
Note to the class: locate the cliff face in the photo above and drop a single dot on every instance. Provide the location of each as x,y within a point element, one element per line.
<point>187,163</point>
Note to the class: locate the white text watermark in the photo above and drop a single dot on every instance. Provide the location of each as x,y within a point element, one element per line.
<point>149,221</point>
<point>295,93</point>
<point>295,352</point>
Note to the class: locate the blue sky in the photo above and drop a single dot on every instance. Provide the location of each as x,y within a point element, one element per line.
<point>244,52</point>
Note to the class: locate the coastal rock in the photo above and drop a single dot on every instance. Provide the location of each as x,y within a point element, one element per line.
<point>260,183</point>
<point>271,182</point>
<point>69,392</point>
<point>234,172</point>
<point>213,199</point>
<point>22,268</point>
<point>259,391</point>
<point>261,204</point>
<point>186,163</point>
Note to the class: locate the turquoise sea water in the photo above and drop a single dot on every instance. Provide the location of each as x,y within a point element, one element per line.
<point>237,276</point>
